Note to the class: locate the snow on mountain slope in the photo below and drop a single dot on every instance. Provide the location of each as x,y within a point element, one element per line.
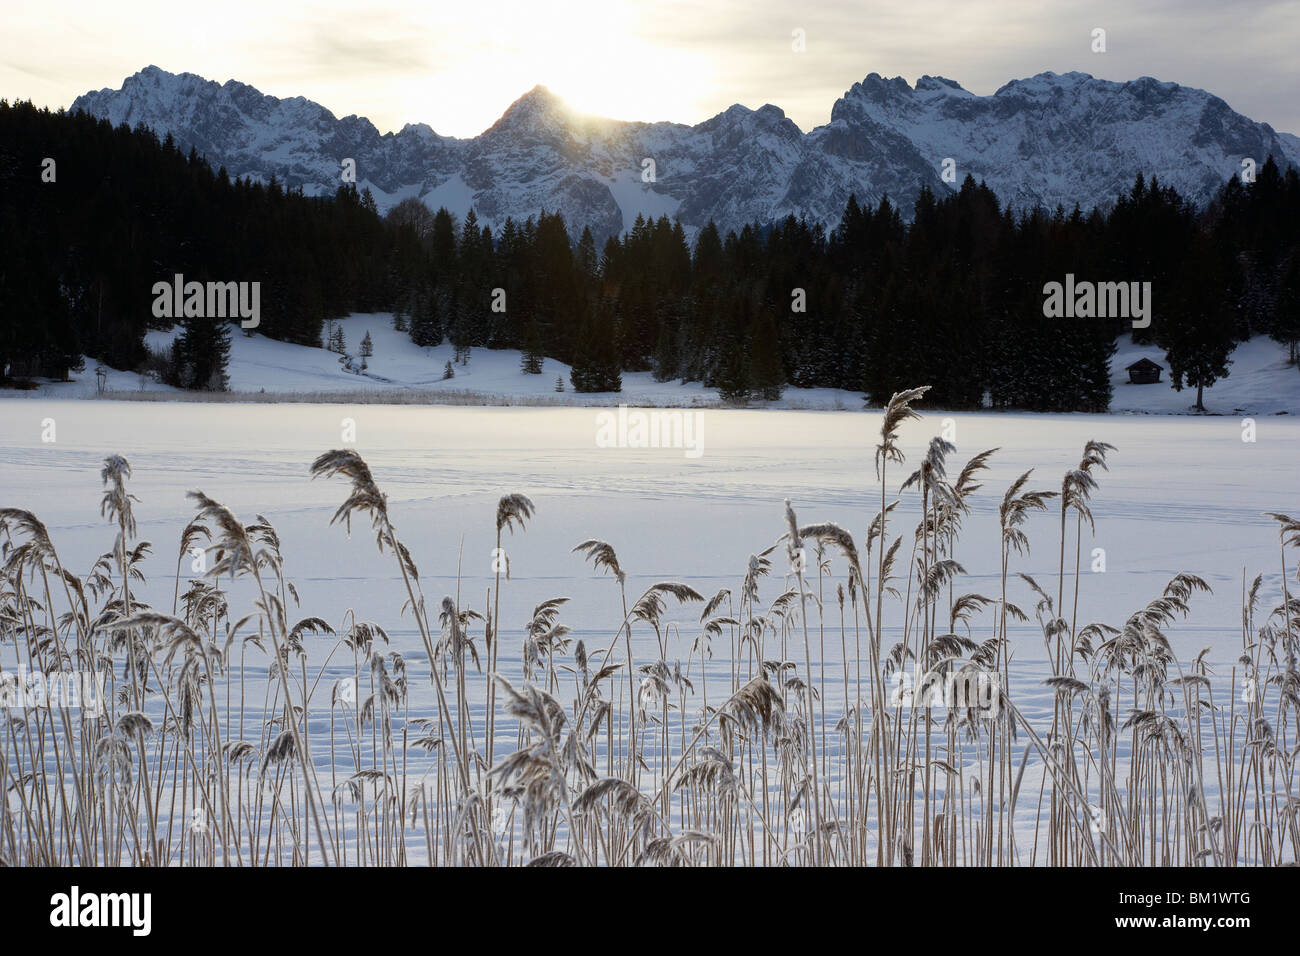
<point>1049,139</point>
<point>1260,383</point>
<point>297,140</point>
<point>1291,143</point>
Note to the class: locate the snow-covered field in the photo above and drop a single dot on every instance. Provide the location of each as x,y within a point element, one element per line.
<point>1260,383</point>
<point>1182,494</point>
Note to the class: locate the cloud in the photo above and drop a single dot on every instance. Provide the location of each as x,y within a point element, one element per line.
<point>458,67</point>
<point>366,55</point>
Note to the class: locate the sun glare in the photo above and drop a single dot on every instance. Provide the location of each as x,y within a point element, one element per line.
<point>593,57</point>
<point>636,82</point>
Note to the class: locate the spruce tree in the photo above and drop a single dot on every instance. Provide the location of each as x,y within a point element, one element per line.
<point>733,381</point>
<point>201,354</point>
<point>667,357</point>
<point>596,366</point>
<point>1196,330</point>
<point>607,366</point>
<point>580,372</point>
<point>531,360</point>
<point>425,331</point>
<point>766,375</point>
<point>1285,324</point>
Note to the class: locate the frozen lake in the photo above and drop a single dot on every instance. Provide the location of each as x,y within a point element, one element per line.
<point>1182,494</point>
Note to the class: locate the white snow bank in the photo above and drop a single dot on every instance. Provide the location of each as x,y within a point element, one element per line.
<point>1260,380</point>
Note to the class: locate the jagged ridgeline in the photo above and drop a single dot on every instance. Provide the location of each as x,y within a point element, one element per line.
<point>949,290</point>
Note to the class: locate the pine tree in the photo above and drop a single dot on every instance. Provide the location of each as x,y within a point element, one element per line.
<point>733,382</point>
<point>766,376</point>
<point>1285,324</point>
<point>448,371</point>
<point>531,360</point>
<point>580,374</point>
<point>667,358</point>
<point>596,365</point>
<point>1197,332</point>
<point>334,338</point>
<point>426,321</point>
<point>559,383</point>
<point>201,355</point>
<point>607,368</point>
<point>367,347</point>
<point>585,260</point>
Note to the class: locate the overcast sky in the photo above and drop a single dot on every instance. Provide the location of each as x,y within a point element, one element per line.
<point>458,66</point>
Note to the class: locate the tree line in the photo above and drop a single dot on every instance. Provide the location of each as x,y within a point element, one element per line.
<point>953,295</point>
<point>92,215</point>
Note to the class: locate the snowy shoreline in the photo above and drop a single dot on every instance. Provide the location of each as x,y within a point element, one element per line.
<point>268,371</point>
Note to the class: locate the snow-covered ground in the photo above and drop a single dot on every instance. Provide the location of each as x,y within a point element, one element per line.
<point>1260,383</point>
<point>1182,494</point>
<point>491,377</point>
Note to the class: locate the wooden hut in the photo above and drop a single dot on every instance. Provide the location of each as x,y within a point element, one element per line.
<point>1144,372</point>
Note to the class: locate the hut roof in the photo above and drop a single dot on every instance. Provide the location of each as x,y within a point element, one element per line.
<point>1143,364</point>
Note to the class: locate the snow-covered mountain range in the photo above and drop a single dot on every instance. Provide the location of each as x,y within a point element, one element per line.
<point>1050,139</point>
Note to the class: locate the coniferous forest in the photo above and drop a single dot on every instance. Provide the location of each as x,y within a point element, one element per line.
<point>949,292</point>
